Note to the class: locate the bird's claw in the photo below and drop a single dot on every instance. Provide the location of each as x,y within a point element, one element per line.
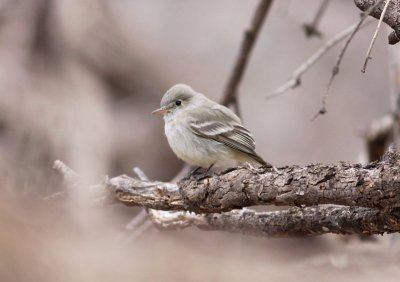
<point>198,174</point>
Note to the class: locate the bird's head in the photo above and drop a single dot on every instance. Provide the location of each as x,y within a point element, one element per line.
<point>178,97</point>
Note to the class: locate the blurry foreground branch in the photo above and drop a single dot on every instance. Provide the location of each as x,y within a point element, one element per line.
<point>369,199</point>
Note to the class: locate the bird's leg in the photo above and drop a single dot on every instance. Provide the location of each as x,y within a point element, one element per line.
<point>191,172</point>
<point>197,174</point>
<point>207,172</point>
<point>195,170</point>
<point>208,169</point>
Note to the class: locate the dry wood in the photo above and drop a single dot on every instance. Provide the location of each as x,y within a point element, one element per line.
<point>376,185</point>
<point>369,197</point>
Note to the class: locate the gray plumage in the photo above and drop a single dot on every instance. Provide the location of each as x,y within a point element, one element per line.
<point>202,132</point>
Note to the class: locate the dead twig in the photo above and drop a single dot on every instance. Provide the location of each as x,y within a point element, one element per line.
<point>250,37</point>
<point>311,29</point>
<point>139,224</point>
<point>335,70</point>
<point>394,74</point>
<point>296,77</point>
<point>70,177</point>
<point>368,55</point>
<point>391,17</point>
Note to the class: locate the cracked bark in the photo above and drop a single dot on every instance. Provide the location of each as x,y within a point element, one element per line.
<point>310,221</point>
<point>376,185</point>
<point>293,222</point>
<point>369,199</point>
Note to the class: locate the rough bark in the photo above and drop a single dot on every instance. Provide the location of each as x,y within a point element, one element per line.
<point>294,222</point>
<point>369,197</point>
<point>391,17</point>
<point>310,221</point>
<point>376,185</point>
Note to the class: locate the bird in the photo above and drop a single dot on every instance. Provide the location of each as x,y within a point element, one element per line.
<point>202,132</point>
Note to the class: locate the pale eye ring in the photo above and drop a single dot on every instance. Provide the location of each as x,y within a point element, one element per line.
<point>178,102</point>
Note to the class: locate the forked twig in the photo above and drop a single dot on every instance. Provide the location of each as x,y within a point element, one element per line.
<point>335,69</point>
<point>296,77</point>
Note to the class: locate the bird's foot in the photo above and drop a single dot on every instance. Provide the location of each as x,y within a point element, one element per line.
<point>199,173</point>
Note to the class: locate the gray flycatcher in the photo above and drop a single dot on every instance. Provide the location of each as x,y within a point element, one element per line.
<point>202,132</point>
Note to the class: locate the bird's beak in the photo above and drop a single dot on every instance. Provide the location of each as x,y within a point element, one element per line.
<point>160,111</point>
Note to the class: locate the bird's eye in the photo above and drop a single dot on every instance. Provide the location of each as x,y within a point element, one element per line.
<point>178,102</point>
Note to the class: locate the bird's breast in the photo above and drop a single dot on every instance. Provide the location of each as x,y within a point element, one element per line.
<point>189,147</point>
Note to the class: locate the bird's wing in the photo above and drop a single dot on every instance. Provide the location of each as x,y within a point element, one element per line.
<point>224,127</point>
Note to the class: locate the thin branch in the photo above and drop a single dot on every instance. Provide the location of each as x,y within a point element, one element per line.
<point>99,192</point>
<point>391,17</point>
<point>137,220</point>
<point>139,231</point>
<point>368,55</point>
<point>296,77</point>
<point>250,37</point>
<point>71,178</point>
<point>312,28</point>
<point>139,223</point>
<point>394,75</point>
<point>140,173</point>
<point>384,132</point>
<point>335,70</point>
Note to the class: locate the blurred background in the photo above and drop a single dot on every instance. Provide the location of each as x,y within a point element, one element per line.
<point>78,80</point>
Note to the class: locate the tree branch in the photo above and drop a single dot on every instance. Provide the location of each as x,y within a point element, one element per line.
<point>250,37</point>
<point>375,185</point>
<point>293,222</point>
<point>385,132</point>
<point>371,45</point>
<point>311,29</point>
<point>297,75</point>
<point>335,70</point>
<point>369,195</point>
